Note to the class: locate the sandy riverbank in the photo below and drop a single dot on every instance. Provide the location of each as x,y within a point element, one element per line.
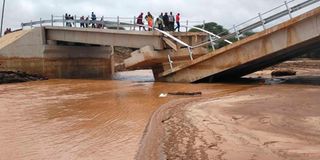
<point>268,122</point>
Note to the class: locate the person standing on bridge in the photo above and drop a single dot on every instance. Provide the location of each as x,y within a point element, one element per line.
<point>161,16</point>
<point>67,18</point>
<point>171,22</point>
<point>149,19</point>
<point>140,22</point>
<point>87,22</point>
<point>159,22</point>
<point>72,19</point>
<point>178,22</point>
<point>82,22</point>
<point>93,18</point>
<point>166,21</point>
<point>101,24</point>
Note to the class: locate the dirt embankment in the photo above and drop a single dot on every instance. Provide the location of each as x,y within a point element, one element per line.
<point>14,77</point>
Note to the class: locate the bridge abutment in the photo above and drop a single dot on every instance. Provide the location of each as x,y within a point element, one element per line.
<point>26,51</point>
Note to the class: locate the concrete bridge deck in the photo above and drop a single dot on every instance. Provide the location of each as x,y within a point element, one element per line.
<point>122,38</point>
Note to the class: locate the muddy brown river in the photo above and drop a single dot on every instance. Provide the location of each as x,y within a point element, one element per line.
<point>83,119</point>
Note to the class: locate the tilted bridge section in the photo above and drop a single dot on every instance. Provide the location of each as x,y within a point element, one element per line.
<point>284,41</point>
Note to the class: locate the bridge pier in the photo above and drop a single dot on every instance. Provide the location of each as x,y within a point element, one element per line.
<point>92,62</point>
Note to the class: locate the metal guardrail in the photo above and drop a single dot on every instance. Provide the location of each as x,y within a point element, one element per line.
<point>114,22</point>
<point>211,36</point>
<point>178,41</point>
<point>236,32</point>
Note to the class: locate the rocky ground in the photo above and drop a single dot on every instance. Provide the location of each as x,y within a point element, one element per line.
<point>14,77</point>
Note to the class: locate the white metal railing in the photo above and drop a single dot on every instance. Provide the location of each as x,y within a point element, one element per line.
<point>286,10</point>
<point>109,22</point>
<point>166,34</point>
<point>211,36</point>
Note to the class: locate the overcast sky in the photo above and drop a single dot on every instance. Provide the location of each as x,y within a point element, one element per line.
<point>225,12</point>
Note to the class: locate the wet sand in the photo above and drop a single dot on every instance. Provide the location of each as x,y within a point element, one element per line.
<point>83,119</point>
<point>269,122</point>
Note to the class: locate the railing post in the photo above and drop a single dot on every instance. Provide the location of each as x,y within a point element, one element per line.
<point>118,22</point>
<point>63,21</point>
<point>190,53</point>
<point>236,31</point>
<point>187,26</point>
<point>204,24</point>
<point>130,25</point>
<point>153,24</point>
<point>288,8</point>
<point>212,43</point>
<point>170,61</point>
<point>262,21</point>
<point>75,20</point>
<point>104,24</point>
<point>40,22</point>
<point>134,23</point>
<point>51,20</point>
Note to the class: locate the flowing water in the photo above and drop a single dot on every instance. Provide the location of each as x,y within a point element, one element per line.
<point>83,119</point>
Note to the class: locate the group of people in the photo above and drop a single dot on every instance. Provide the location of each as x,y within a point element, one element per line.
<point>163,22</point>
<point>69,18</point>
<point>7,31</point>
<point>85,22</point>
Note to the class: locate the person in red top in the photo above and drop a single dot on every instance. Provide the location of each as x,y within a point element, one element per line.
<point>178,22</point>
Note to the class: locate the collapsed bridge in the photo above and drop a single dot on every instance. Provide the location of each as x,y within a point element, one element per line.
<point>64,52</point>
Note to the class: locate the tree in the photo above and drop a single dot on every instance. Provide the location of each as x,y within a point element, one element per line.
<point>215,29</point>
